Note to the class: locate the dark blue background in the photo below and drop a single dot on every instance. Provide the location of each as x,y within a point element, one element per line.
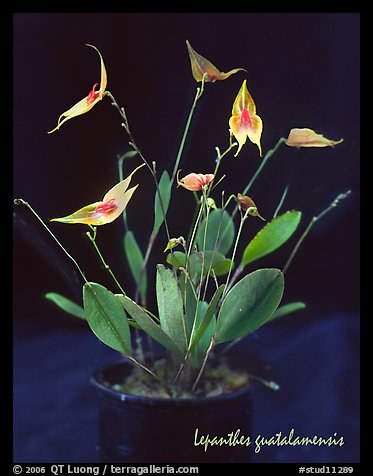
<point>303,71</point>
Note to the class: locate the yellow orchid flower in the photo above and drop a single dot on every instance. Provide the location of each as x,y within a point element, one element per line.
<point>201,67</point>
<point>89,101</point>
<point>107,210</point>
<point>247,203</point>
<point>304,137</point>
<point>244,121</point>
<point>195,182</point>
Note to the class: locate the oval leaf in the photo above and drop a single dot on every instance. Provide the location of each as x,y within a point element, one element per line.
<point>199,350</point>
<point>220,232</point>
<point>136,262</point>
<point>249,304</point>
<point>189,297</point>
<point>164,187</point>
<point>148,325</point>
<point>106,317</point>
<point>222,268</point>
<point>177,259</point>
<point>207,317</point>
<point>271,237</point>
<point>287,309</point>
<point>66,305</point>
<point>170,307</point>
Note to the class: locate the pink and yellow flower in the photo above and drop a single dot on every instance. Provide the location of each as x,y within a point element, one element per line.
<point>87,103</point>
<point>244,121</point>
<point>108,209</point>
<point>203,69</point>
<point>195,182</point>
<point>304,137</point>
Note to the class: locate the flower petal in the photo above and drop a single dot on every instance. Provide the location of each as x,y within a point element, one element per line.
<point>239,133</point>
<point>116,192</point>
<point>203,67</point>
<point>79,108</point>
<point>85,104</point>
<point>103,82</point>
<point>304,137</point>
<point>243,100</point>
<point>121,203</point>
<point>195,182</point>
<point>254,132</point>
<point>86,215</point>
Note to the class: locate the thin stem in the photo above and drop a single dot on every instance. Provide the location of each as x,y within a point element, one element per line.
<point>135,147</point>
<point>20,201</point>
<point>152,170</point>
<point>217,241</point>
<point>262,164</point>
<point>195,214</point>
<point>199,93</point>
<point>190,249</point>
<point>243,219</point>
<point>218,161</point>
<point>127,129</point>
<point>206,194</point>
<point>334,203</point>
<point>281,201</point>
<point>211,346</point>
<point>230,345</point>
<point>120,170</point>
<point>255,176</point>
<point>136,362</point>
<point>202,267</point>
<point>92,238</point>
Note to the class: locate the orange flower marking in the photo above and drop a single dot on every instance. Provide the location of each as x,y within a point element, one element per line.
<point>107,207</point>
<point>93,95</point>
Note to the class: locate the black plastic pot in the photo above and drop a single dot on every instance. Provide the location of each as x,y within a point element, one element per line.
<point>137,429</point>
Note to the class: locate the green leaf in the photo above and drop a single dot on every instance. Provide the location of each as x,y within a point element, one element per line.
<point>206,319</point>
<point>287,309</point>
<point>199,350</point>
<point>177,259</point>
<point>220,232</point>
<point>204,343</point>
<point>189,298</point>
<point>136,262</point>
<point>170,307</point>
<point>271,237</point>
<point>249,304</point>
<point>106,317</point>
<point>165,194</point>
<point>222,267</point>
<point>66,305</point>
<point>218,262</point>
<point>148,325</point>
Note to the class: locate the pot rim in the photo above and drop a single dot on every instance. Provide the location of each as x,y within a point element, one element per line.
<point>96,380</point>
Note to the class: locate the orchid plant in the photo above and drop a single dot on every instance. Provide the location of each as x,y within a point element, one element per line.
<point>202,298</point>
